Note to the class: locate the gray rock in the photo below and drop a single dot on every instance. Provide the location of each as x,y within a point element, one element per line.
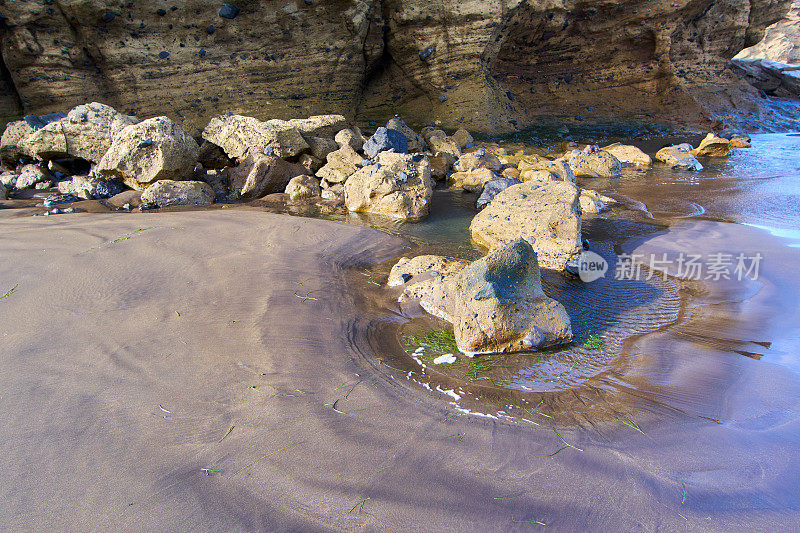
<point>386,139</point>
<point>228,11</point>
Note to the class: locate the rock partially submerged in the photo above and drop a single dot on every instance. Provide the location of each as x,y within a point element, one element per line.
<point>596,164</point>
<point>398,186</point>
<point>547,215</point>
<point>421,274</point>
<point>497,304</point>
<point>713,146</point>
<point>152,150</point>
<point>678,157</point>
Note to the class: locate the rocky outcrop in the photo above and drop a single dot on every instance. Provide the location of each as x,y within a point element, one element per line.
<point>781,41</point>
<point>152,150</point>
<point>167,192</point>
<point>771,77</point>
<point>490,65</point>
<point>497,304</point>
<point>397,186</point>
<point>547,215</point>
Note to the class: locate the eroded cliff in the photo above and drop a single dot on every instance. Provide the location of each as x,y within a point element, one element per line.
<point>491,65</point>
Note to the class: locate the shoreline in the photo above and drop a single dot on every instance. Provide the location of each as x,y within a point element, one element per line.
<point>109,400</point>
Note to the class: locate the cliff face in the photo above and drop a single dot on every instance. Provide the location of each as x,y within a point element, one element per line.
<point>491,65</point>
<point>781,41</point>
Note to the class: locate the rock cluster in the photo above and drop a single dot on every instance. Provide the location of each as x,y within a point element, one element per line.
<point>496,304</point>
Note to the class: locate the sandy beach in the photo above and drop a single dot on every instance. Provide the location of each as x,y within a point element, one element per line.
<point>208,371</point>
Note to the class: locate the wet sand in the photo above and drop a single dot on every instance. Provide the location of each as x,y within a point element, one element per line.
<point>213,370</point>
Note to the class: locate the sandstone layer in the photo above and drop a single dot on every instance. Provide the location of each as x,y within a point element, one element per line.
<point>493,65</point>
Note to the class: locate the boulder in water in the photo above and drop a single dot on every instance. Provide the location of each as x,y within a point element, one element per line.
<point>497,304</point>
<point>547,215</point>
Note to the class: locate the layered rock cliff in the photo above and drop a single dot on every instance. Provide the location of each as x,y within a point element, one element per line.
<point>491,65</point>
<point>781,41</point>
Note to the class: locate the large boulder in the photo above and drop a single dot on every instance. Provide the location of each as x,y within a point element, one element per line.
<point>629,155</point>
<point>398,186</point>
<point>386,139</point>
<point>678,157</point>
<point>416,142</point>
<point>713,146</point>
<point>302,187</point>
<point>598,164</point>
<point>342,164</point>
<point>497,304</point>
<point>164,193</point>
<point>547,215</point>
<point>31,175</point>
<point>87,132</point>
<point>152,150</point>
<point>259,175</point>
<point>12,144</point>
<point>240,136</point>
